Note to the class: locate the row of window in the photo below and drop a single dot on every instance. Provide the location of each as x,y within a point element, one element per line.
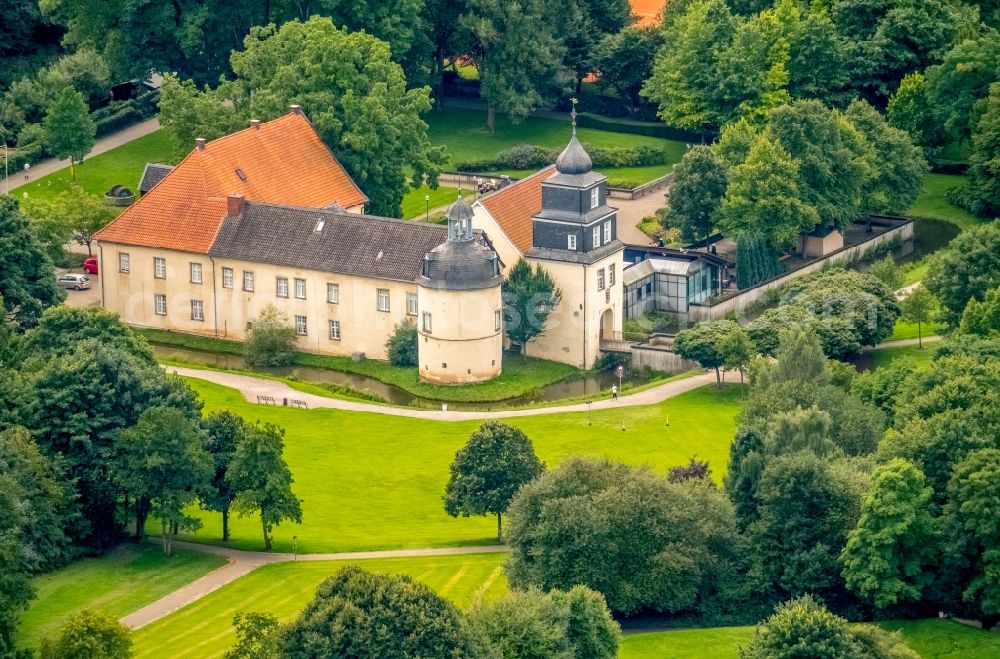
<point>198,313</point>
<point>596,236</point>
<point>611,277</point>
<point>426,321</point>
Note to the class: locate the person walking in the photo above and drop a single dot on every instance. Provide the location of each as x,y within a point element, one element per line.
<point>614,392</point>
<point>27,168</point>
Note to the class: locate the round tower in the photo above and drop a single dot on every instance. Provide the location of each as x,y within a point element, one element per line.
<point>460,324</point>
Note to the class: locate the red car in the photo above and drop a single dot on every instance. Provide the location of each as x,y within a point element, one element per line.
<point>90,265</point>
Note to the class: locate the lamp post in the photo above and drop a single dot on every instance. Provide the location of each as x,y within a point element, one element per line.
<point>427,208</point>
<point>590,420</point>
<point>295,546</point>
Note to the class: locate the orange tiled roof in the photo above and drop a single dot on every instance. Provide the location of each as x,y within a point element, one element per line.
<point>513,206</point>
<point>282,162</point>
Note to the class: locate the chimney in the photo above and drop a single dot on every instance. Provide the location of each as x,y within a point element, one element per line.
<point>235,203</point>
<point>255,124</point>
<point>199,143</point>
<point>295,109</point>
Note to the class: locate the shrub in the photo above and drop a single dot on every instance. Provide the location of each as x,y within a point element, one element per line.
<point>270,341</point>
<point>89,634</point>
<point>532,156</point>
<point>402,344</point>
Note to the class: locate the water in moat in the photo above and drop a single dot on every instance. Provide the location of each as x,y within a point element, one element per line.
<point>594,384</point>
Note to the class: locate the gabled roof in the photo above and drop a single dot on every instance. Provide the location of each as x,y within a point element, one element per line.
<point>327,241</point>
<point>280,162</point>
<point>513,207</point>
<point>152,174</point>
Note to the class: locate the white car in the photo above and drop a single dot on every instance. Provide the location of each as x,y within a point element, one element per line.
<point>74,281</point>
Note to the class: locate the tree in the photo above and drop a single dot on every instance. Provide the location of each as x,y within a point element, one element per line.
<point>270,340</point>
<point>376,615</point>
<point>756,261</point>
<point>737,351</point>
<point>918,307</point>
<point>161,463</point>
<point>627,533</point>
<point>804,627</point>
<point>909,110</point>
<point>555,624</point>
<point>817,57</point>
<point>262,479</point>
<point>401,346</point>
<point>89,634</point>
<point>71,131</point>
<point>15,587</point>
<point>61,329</point>
<point>984,159</point>
<point>624,60</point>
<point>898,167</point>
<point>697,189</point>
<point>28,284</point>
<point>518,56</point>
<point>583,24</point>
<point>224,431</point>
<point>82,214</point>
<point>529,296</point>
<point>889,555</point>
<point>256,636</point>
<point>765,198</point>
<point>489,470</point>
<point>694,469</point>
<point>703,344</point>
<point>956,88</point>
<point>966,269</point>
<point>360,106</point>
<point>982,318</point>
<point>886,271</point>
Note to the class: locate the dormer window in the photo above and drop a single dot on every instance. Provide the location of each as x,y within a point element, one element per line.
<point>241,174</point>
<point>594,197</point>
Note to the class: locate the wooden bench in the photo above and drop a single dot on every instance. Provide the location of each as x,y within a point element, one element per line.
<point>266,400</point>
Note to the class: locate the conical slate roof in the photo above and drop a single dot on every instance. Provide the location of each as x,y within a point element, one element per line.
<point>459,211</point>
<point>461,262</point>
<point>574,159</point>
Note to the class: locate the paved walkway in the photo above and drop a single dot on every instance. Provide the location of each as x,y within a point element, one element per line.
<point>102,145</point>
<point>902,343</point>
<point>242,563</point>
<point>252,387</point>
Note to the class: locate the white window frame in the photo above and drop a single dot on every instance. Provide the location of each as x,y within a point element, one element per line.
<point>595,195</point>
<point>159,267</point>
<point>248,278</point>
<point>333,293</point>
<point>335,330</point>
<point>611,275</point>
<point>596,235</point>
<point>227,277</point>
<point>607,232</point>
<point>498,319</point>
<point>600,279</point>
<point>301,326</point>
<point>300,285</point>
<point>426,322</point>
<point>382,295</point>
<point>571,242</point>
<point>160,304</point>
<point>197,274</point>
<point>123,263</point>
<point>281,286</point>
<point>197,310</point>
<point>411,304</point>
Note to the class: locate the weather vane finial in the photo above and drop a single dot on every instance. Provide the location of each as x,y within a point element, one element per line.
<point>572,114</point>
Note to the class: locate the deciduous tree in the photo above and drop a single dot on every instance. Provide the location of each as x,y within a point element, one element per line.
<point>256,636</point>
<point>270,340</point>
<point>263,482</point>
<point>968,268</point>
<point>529,296</point>
<point>489,470</point>
<point>71,131</point>
<point>624,60</point>
<point>224,431</point>
<point>696,191</point>
<point>703,343</point>
<point>918,307</point>
<point>984,159</point>
<point>28,285</point>
<point>401,346</point>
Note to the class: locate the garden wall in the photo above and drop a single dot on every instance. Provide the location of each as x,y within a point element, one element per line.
<point>660,358</point>
<point>898,229</point>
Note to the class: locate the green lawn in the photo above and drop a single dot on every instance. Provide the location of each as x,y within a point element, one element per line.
<point>930,638</point>
<point>932,202</point>
<point>520,376</point>
<point>118,583</point>
<point>122,165</point>
<point>372,481</point>
<point>415,206</point>
<point>912,273</point>
<point>904,330</point>
<point>885,356</point>
<point>204,629</point>
<point>463,132</point>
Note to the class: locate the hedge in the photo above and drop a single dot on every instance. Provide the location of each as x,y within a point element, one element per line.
<point>532,156</point>
<point>587,120</point>
<point>31,153</point>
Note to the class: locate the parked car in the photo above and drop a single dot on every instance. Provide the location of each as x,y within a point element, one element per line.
<point>90,265</point>
<point>74,281</point>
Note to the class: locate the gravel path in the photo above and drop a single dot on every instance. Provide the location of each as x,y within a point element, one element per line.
<point>252,387</point>
<point>903,343</point>
<point>242,563</point>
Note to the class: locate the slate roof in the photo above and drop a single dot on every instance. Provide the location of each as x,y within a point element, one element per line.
<point>152,174</point>
<point>279,162</point>
<point>345,243</point>
<point>513,207</point>
<point>461,265</point>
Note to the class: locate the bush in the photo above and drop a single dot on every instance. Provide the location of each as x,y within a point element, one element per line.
<point>270,341</point>
<point>125,116</point>
<point>532,156</point>
<point>89,634</point>
<point>402,344</point>
<point>32,134</point>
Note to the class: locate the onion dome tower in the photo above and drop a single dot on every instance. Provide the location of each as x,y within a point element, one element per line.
<point>460,326</point>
